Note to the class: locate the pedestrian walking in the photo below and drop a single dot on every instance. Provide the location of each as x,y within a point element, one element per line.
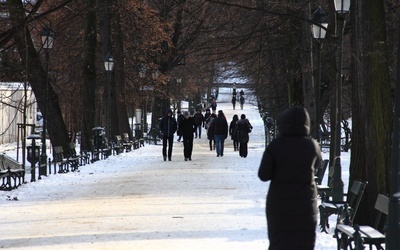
<point>243,129</point>
<point>241,100</point>
<point>210,132</point>
<point>219,128</point>
<point>233,101</point>
<point>233,132</point>
<point>187,127</point>
<point>289,163</point>
<point>179,118</point>
<point>168,126</point>
<point>206,117</point>
<point>198,119</point>
<point>214,105</point>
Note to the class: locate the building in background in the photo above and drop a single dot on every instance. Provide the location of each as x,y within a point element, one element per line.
<point>12,106</point>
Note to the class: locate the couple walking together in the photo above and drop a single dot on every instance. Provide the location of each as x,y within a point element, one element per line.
<point>238,129</point>
<point>168,127</point>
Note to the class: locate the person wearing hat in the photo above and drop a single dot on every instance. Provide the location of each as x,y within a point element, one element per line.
<point>187,127</point>
<point>168,126</point>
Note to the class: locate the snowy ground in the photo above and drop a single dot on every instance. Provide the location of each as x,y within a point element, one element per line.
<point>137,201</point>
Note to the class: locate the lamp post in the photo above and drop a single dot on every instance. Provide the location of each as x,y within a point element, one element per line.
<point>109,65</point>
<point>393,224</point>
<point>178,92</point>
<point>142,74</point>
<point>342,8</point>
<point>47,36</point>
<point>320,23</point>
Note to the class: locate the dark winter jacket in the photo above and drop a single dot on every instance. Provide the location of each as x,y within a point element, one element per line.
<point>179,119</point>
<point>187,127</point>
<point>243,126</point>
<point>198,118</point>
<point>168,125</point>
<point>289,162</point>
<point>233,128</point>
<point>219,126</point>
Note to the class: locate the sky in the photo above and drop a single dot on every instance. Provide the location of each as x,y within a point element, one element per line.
<point>135,200</point>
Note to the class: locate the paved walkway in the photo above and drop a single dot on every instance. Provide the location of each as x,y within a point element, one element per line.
<point>137,201</point>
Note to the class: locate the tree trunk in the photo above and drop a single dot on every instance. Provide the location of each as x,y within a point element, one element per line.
<point>120,97</point>
<point>89,76</point>
<point>307,68</point>
<point>372,110</point>
<point>56,128</point>
<point>110,116</point>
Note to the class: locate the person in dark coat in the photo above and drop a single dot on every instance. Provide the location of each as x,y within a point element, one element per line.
<point>187,127</point>
<point>168,126</point>
<point>210,132</point>
<point>241,100</point>
<point>179,118</point>
<point>198,119</point>
<point>233,132</point>
<point>243,129</point>
<point>289,162</point>
<point>219,128</point>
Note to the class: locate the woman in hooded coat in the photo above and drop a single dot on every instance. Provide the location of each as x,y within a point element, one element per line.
<point>289,163</point>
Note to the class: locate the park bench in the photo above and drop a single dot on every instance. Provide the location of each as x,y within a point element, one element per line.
<point>353,199</point>
<point>103,149</point>
<point>118,145</point>
<point>60,160</point>
<point>354,237</point>
<point>325,190</point>
<point>127,143</point>
<point>75,158</point>
<point>319,175</point>
<point>12,173</point>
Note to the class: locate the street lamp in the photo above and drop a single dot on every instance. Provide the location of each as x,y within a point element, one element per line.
<point>320,23</point>
<point>342,8</point>
<point>109,65</point>
<point>47,36</point>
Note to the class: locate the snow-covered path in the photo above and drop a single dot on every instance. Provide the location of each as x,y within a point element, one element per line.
<point>137,201</point>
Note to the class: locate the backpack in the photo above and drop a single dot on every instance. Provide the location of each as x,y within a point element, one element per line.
<point>244,128</point>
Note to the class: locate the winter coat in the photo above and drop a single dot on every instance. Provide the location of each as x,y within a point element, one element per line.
<point>289,162</point>
<point>243,129</point>
<point>187,127</point>
<point>198,118</point>
<point>168,125</point>
<point>210,131</point>
<point>206,117</point>
<point>233,130</point>
<point>179,119</point>
<point>219,126</point>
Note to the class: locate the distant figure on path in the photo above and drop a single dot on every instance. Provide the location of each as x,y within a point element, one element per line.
<point>188,127</point>
<point>198,119</point>
<point>168,128</point>
<point>233,132</point>
<point>233,101</point>
<point>219,127</point>
<point>289,162</point>
<point>241,100</point>
<point>210,132</point>
<point>243,129</point>
<point>179,118</point>
<point>214,105</point>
